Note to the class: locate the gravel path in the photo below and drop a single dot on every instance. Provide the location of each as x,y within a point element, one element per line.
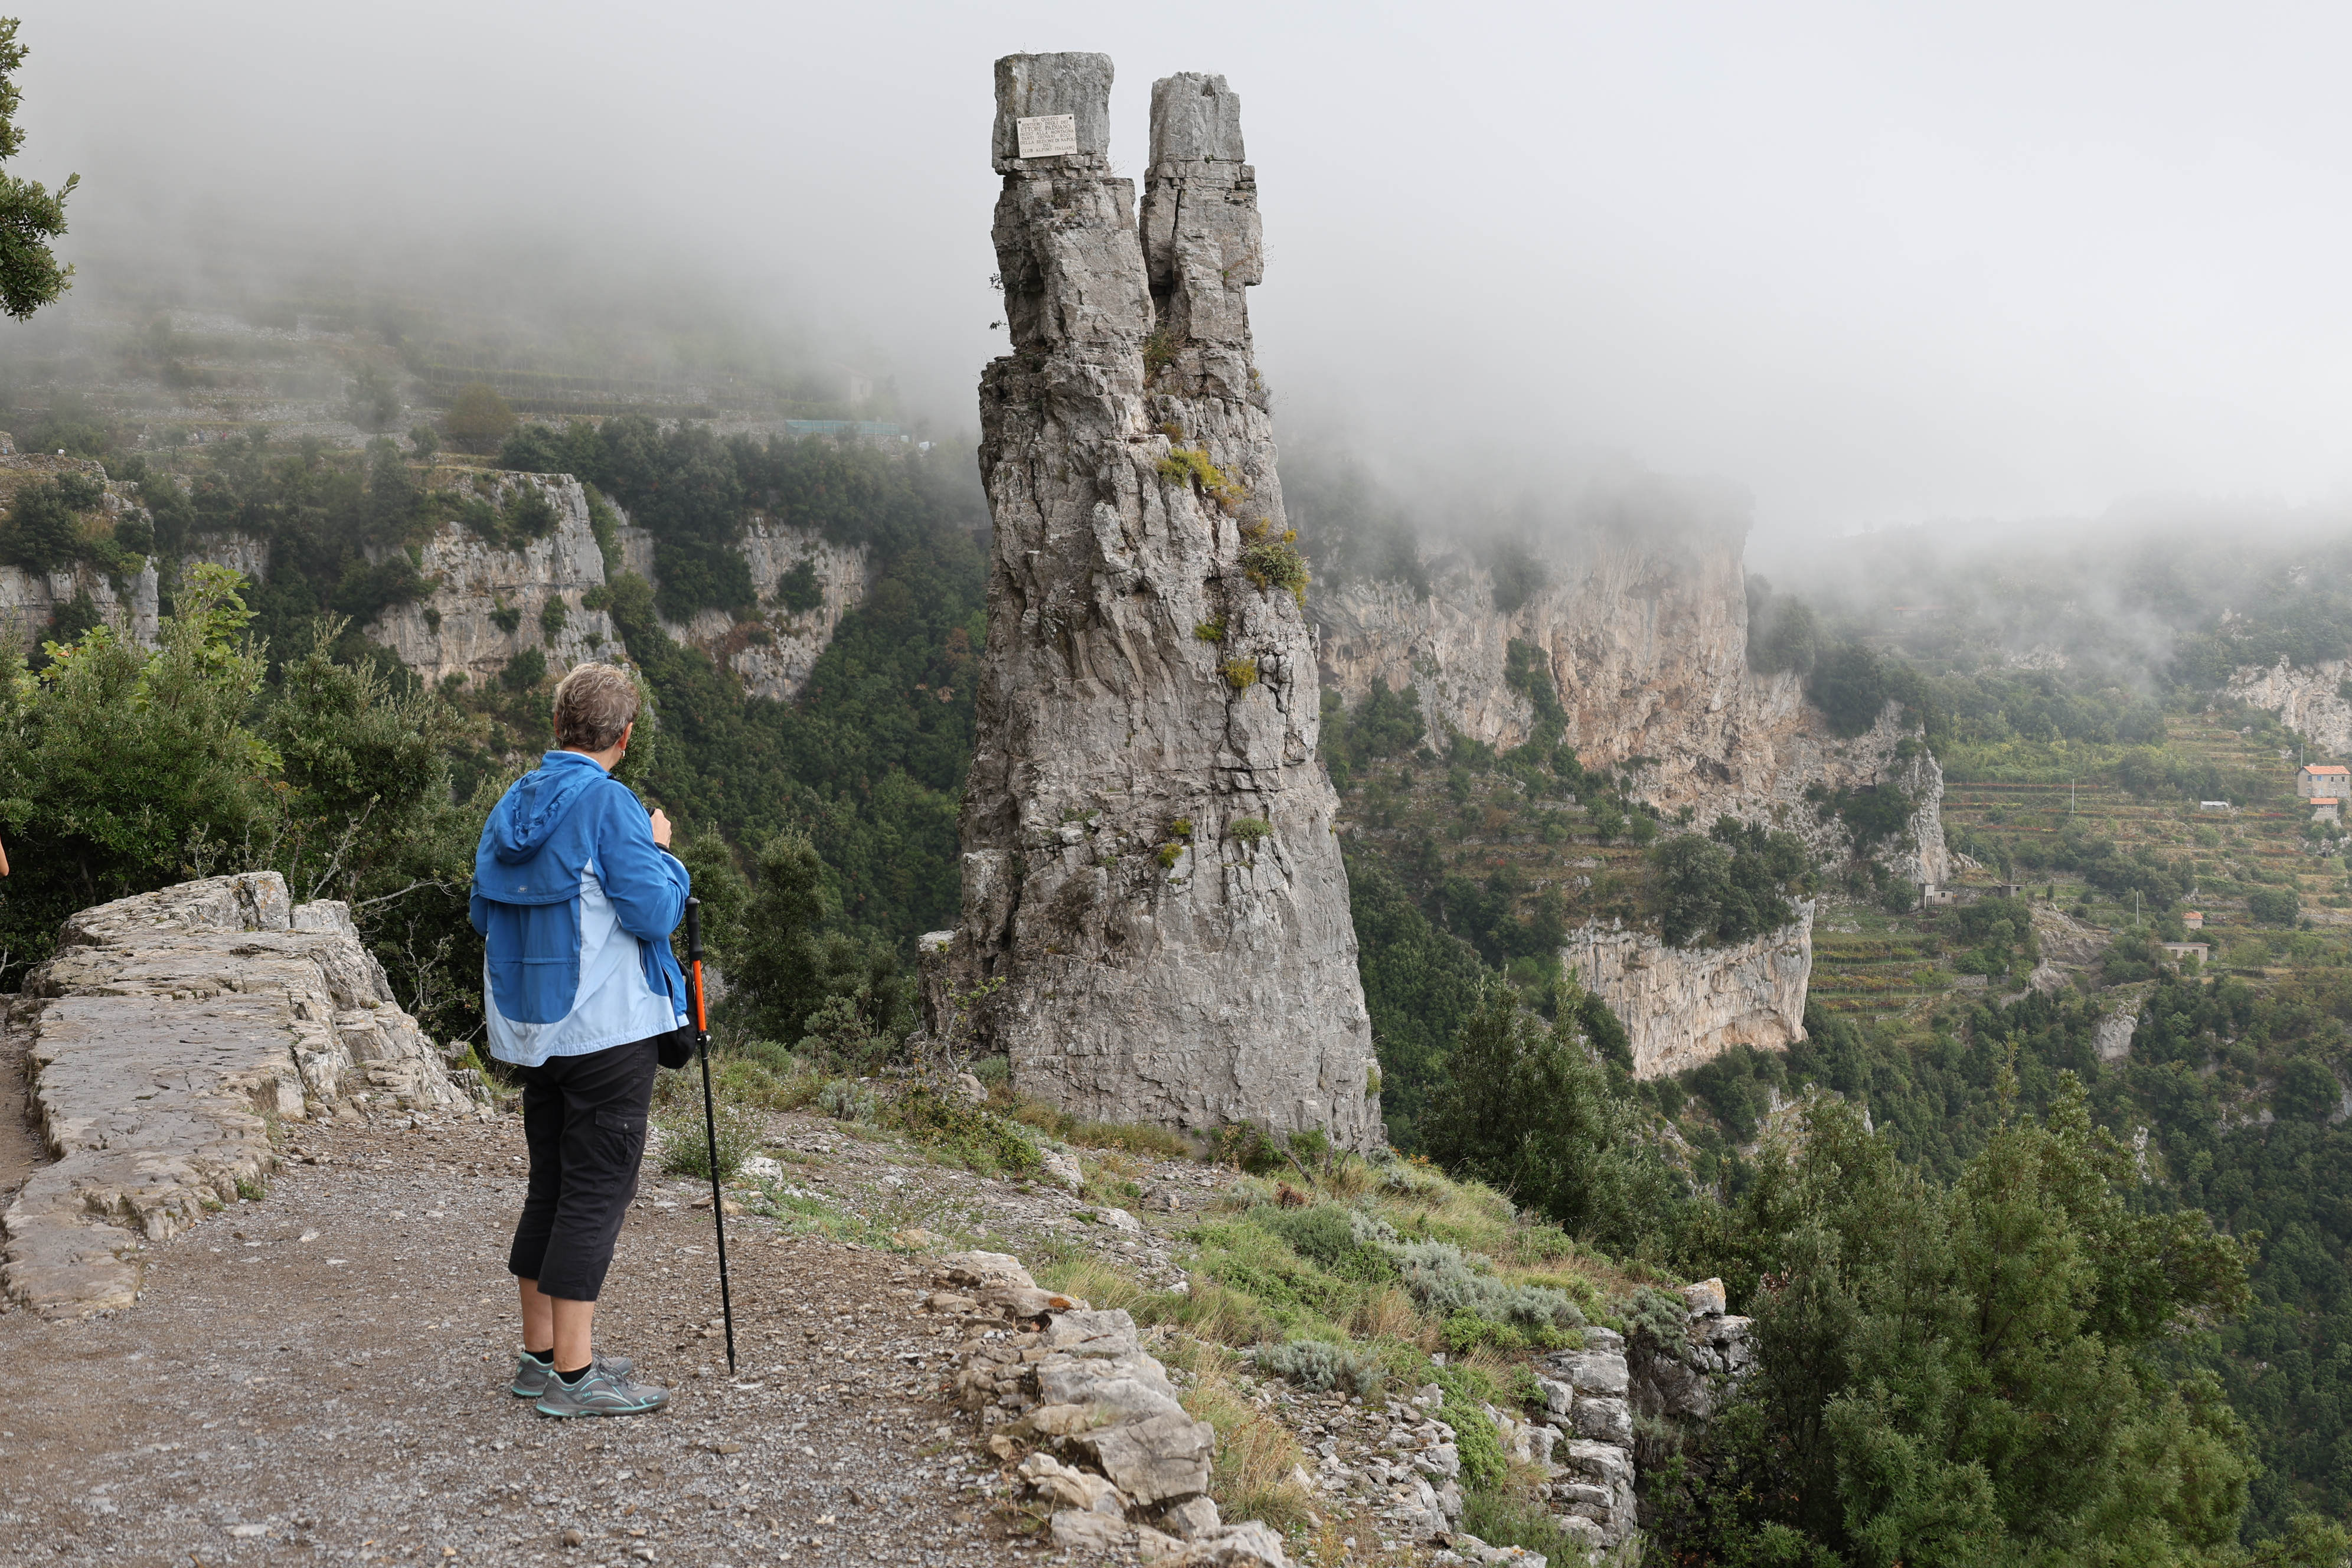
<point>320,1376</point>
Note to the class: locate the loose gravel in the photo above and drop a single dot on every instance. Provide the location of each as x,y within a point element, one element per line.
<point>320,1376</point>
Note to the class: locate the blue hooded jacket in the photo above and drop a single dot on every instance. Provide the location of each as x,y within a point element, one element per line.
<point>568,871</point>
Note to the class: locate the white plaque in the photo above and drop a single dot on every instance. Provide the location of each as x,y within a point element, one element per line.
<point>1048,135</point>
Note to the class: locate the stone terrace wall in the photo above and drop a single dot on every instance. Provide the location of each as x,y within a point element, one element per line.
<point>161,1039</point>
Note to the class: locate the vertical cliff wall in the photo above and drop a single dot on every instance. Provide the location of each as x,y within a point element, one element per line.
<point>30,600</point>
<point>489,603</point>
<point>1684,1006</point>
<point>1150,881</point>
<point>1641,615</point>
<point>775,650</point>
<point>2306,699</point>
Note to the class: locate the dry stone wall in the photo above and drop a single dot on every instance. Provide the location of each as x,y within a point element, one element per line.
<point>161,1039</point>
<point>1683,1007</point>
<point>1154,910</point>
<point>1105,1444</point>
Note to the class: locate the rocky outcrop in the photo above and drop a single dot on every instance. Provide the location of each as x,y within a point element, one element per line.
<point>1683,1007</point>
<point>1155,918</point>
<point>775,650</point>
<point>1591,1458</point>
<point>29,600</point>
<point>489,603</point>
<point>161,1039</point>
<point>1691,1376</point>
<point>2309,701</point>
<point>1106,1444</point>
<point>1641,617</point>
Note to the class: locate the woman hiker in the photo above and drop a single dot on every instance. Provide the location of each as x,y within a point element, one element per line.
<point>575,897</point>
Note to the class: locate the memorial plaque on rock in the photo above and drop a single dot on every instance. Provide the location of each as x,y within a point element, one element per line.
<point>1048,135</point>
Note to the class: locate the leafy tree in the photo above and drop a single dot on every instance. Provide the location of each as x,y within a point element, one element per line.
<point>1730,886</point>
<point>1850,684</point>
<point>1783,634</point>
<point>797,589</point>
<point>30,216</point>
<point>374,401</point>
<point>477,419</point>
<point>795,981</point>
<point>44,532</point>
<point>1419,985</point>
<point>1963,1375</point>
<point>1527,1109</point>
<point>1518,575</point>
<point>124,769</point>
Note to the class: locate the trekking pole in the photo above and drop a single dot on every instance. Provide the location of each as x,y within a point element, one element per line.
<point>709,1119</point>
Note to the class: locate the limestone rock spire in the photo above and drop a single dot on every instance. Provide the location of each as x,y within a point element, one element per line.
<point>1155,918</point>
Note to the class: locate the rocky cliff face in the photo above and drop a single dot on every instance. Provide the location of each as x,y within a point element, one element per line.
<point>490,603</point>
<point>2308,700</point>
<point>29,600</point>
<point>1643,616</point>
<point>1683,1007</point>
<point>1152,886</point>
<point>160,1039</point>
<point>775,651</point>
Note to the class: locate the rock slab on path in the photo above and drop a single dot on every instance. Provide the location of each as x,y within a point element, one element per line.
<point>160,1041</point>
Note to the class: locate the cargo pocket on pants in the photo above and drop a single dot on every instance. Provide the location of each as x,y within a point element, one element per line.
<point>623,1134</point>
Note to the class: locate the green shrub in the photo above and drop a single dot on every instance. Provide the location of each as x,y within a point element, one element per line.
<point>686,1143</point>
<point>845,1099</point>
<point>1272,561</point>
<point>1189,466</point>
<point>1474,1437</point>
<point>1443,1284</point>
<point>1502,1518</point>
<point>1249,831</point>
<point>552,614</point>
<point>1211,630</point>
<point>1322,1365</point>
<point>982,1139</point>
<point>1241,674</point>
<point>1348,1244</point>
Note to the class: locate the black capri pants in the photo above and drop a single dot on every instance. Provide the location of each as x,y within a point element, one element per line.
<point>585,1119</point>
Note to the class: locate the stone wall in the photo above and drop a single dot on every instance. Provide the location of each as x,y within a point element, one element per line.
<point>161,1039</point>
<point>1151,885</point>
<point>1684,1005</point>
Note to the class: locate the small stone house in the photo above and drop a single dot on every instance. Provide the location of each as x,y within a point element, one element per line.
<point>2326,809</point>
<point>2200,951</point>
<point>2332,781</point>
<point>2193,918</point>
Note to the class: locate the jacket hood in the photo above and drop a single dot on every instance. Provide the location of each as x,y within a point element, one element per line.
<point>527,816</point>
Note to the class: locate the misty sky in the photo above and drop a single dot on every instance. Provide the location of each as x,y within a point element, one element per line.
<point>1872,263</point>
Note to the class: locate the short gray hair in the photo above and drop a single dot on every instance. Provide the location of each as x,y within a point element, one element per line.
<point>593,706</point>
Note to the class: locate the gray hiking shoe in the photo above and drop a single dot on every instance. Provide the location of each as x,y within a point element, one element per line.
<point>601,1391</point>
<point>532,1375</point>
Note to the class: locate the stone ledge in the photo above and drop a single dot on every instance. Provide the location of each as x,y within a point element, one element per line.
<point>165,1036</point>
